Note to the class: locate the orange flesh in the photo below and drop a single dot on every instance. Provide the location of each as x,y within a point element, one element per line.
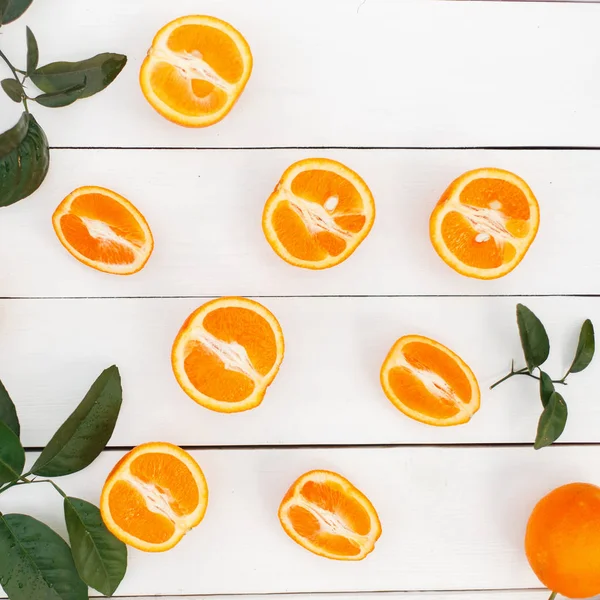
<point>484,191</point>
<point>233,325</point>
<point>408,387</point>
<point>129,511</point>
<point>97,207</point>
<point>318,186</point>
<point>170,476</point>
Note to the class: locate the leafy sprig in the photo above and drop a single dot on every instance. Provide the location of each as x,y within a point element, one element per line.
<point>536,349</point>
<point>24,151</point>
<point>35,562</point>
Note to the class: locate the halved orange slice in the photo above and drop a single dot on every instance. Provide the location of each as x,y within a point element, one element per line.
<point>429,383</point>
<point>484,223</point>
<point>155,494</point>
<point>227,353</point>
<point>326,514</point>
<point>196,70</point>
<point>103,230</point>
<point>318,214</point>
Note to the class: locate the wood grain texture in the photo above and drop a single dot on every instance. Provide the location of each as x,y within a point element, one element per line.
<point>344,73</point>
<point>205,210</point>
<point>452,519</point>
<point>327,391</point>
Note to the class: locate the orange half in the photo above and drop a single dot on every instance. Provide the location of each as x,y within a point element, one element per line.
<point>484,223</point>
<point>429,383</point>
<point>318,214</point>
<point>326,514</point>
<point>196,70</point>
<point>103,230</point>
<point>155,494</point>
<point>227,353</point>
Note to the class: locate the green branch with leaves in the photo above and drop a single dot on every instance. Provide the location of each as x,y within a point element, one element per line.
<point>24,151</point>
<point>35,562</point>
<point>536,349</point>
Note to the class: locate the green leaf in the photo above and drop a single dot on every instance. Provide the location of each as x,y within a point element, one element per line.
<point>3,7</point>
<point>60,99</point>
<point>585,348</point>
<point>12,455</point>
<point>546,388</point>
<point>552,422</point>
<point>36,563</point>
<point>33,54</point>
<point>14,9</point>
<point>13,89</point>
<point>534,339</point>
<point>100,557</point>
<point>24,160</point>
<point>94,73</point>
<point>8,412</point>
<point>83,436</point>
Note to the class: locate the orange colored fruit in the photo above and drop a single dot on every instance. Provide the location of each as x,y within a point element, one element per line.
<point>429,383</point>
<point>196,70</point>
<point>155,494</point>
<point>318,214</point>
<point>326,514</point>
<point>484,223</point>
<point>227,353</point>
<point>103,230</point>
<point>562,541</point>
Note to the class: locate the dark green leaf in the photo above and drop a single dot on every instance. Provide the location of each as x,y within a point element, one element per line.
<point>8,411</point>
<point>33,54</point>
<point>24,160</point>
<point>100,557</point>
<point>552,422</point>
<point>3,7</point>
<point>585,348</point>
<point>546,388</point>
<point>83,436</point>
<point>12,455</point>
<point>14,9</point>
<point>13,89</point>
<point>60,99</point>
<point>36,563</point>
<point>95,73</point>
<point>534,339</point>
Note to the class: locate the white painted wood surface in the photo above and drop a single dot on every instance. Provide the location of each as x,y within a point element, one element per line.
<point>205,210</point>
<point>345,73</point>
<point>334,73</point>
<point>484,595</point>
<point>327,391</point>
<point>452,519</point>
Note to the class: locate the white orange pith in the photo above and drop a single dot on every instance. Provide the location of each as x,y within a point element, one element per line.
<point>318,214</point>
<point>484,223</point>
<point>430,383</point>
<point>326,514</point>
<point>103,230</point>
<point>196,70</point>
<point>227,353</point>
<point>155,494</point>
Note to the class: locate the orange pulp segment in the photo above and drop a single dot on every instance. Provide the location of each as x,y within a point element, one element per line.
<point>484,223</point>
<point>429,383</point>
<point>326,514</point>
<point>196,70</point>
<point>103,230</point>
<point>155,494</point>
<point>318,214</point>
<point>227,353</point>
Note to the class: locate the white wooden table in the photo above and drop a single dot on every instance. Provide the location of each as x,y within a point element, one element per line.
<point>410,95</point>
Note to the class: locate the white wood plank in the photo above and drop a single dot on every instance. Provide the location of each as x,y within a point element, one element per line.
<point>327,391</point>
<point>339,72</point>
<point>484,595</point>
<point>452,519</point>
<point>205,210</point>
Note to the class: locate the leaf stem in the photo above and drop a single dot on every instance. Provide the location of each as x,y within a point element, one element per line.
<point>526,372</point>
<point>552,595</point>
<point>24,481</point>
<point>15,75</point>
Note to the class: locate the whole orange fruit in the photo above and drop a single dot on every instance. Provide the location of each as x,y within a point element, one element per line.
<point>562,541</point>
